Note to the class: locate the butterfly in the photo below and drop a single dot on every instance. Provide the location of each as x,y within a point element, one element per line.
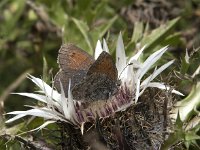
<point>91,79</point>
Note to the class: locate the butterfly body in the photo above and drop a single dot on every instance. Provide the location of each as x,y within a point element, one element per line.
<point>90,80</point>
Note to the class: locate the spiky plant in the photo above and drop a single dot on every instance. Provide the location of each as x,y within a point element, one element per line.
<point>136,117</point>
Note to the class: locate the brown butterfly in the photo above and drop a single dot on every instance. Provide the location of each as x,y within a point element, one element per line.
<point>90,80</point>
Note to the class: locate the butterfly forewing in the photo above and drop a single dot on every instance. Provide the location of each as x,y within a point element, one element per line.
<point>104,65</point>
<point>74,64</point>
<point>71,57</point>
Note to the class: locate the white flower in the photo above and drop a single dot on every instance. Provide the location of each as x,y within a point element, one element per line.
<point>130,71</point>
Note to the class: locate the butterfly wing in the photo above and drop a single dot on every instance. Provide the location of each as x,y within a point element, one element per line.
<point>74,64</point>
<point>95,87</point>
<point>100,81</point>
<point>71,57</point>
<point>104,65</point>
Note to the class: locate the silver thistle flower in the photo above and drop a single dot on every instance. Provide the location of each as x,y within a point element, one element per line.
<point>57,107</point>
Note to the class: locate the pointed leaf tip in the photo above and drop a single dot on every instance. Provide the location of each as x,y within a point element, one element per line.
<point>120,54</point>
<point>105,46</point>
<point>98,49</point>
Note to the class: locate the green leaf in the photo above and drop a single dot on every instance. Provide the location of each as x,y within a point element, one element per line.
<point>14,129</point>
<point>56,13</point>
<point>16,10</point>
<point>191,136</point>
<point>85,32</point>
<point>172,139</point>
<point>184,65</point>
<point>187,106</point>
<point>45,69</point>
<point>107,26</point>
<point>136,36</point>
<point>190,139</point>
<point>179,123</point>
<point>158,34</point>
<point>100,31</point>
<point>137,32</point>
<point>84,4</point>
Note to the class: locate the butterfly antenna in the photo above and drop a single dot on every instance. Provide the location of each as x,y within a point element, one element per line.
<point>125,68</point>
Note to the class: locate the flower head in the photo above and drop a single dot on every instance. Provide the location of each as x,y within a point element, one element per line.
<point>58,107</point>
